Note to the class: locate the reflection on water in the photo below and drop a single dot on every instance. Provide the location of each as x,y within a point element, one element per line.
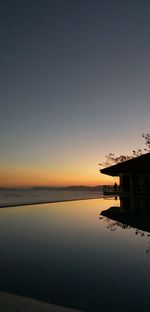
<point>135,204</point>
<point>133,212</point>
<point>114,225</point>
<point>62,253</point>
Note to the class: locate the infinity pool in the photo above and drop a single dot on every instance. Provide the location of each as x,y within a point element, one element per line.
<point>65,253</point>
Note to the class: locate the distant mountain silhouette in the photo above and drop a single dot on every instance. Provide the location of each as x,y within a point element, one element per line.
<point>67,188</point>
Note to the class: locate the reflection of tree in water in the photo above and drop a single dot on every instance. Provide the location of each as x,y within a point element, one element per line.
<point>113,226</point>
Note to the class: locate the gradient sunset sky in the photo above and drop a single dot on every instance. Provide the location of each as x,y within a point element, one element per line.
<point>74,86</point>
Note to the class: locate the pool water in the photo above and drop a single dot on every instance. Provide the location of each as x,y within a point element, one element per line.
<point>67,254</point>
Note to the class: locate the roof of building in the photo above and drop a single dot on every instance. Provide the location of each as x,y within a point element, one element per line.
<point>134,165</point>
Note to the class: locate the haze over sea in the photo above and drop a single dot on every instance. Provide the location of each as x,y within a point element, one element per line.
<point>22,196</point>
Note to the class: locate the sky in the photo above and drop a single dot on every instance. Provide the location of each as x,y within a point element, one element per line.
<point>74,86</point>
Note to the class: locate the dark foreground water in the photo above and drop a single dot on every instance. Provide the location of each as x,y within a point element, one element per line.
<point>65,253</point>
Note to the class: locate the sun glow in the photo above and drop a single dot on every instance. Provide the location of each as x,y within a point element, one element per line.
<point>28,177</point>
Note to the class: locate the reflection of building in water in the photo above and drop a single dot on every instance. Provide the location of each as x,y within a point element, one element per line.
<point>134,177</point>
<point>140,228</point>
<point>134,204</point>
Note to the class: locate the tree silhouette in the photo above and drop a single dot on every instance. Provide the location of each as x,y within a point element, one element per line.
<point>112,159</point>
<point>147,141</point>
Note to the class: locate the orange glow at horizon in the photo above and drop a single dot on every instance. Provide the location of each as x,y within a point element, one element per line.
<point>28,177</point>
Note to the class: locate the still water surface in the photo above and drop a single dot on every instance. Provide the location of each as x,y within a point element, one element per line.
<point>65,253</point>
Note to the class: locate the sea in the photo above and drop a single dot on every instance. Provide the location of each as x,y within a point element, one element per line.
<point>20,196</point>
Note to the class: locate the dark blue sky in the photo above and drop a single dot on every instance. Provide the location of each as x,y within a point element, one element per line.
<point>74,84</point>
